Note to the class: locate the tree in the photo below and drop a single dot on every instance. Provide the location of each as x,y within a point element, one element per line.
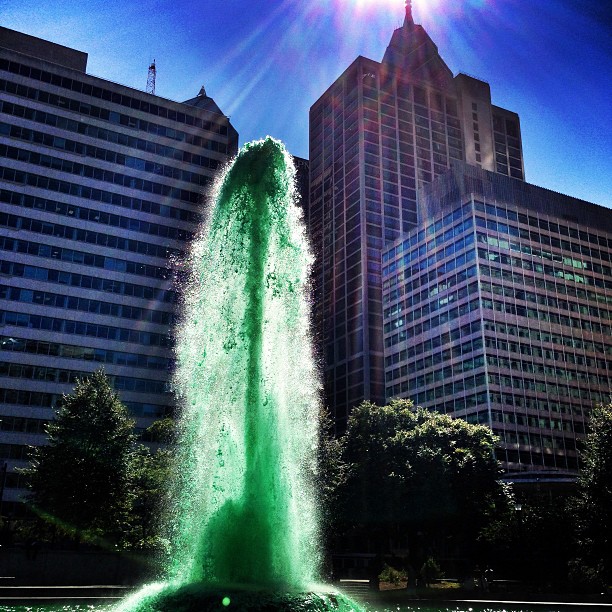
<point>330,477</point>
<point>152,473</point>
<point>592,505</point>
<point>419,475</point>
<point>534,524</point>
<point>81,480</point>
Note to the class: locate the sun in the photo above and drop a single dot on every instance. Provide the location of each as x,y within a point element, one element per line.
<point>369,6</point>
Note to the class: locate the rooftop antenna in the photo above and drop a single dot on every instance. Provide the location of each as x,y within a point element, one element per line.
<point>151,78</point>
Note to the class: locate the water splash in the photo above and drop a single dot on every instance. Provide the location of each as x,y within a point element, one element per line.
<point>244,529</point>
<point>248,387</point>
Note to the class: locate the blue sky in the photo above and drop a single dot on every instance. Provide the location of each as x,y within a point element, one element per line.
<point>266,62</point>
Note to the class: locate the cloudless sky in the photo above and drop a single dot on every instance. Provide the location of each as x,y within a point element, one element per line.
<point>265,62</point>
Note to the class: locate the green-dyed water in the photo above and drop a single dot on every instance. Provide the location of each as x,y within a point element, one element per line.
<point>248,387</point>
<point>245,514</point>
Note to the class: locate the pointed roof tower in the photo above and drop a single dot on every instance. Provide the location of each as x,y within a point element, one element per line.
<point>413,55</point>
<point>408,19</point>
<point>203,100</point>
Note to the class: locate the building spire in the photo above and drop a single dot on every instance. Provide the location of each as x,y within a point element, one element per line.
<point>408,20</point>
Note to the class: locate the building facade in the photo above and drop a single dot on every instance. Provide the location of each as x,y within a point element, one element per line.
<point>101,188</point>
<point>378,135</point>
<point>498,310</point>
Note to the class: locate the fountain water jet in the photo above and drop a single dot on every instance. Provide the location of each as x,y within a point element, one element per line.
<point>245,520</point>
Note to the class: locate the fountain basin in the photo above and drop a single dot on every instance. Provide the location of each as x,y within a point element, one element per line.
<point>202,597</point>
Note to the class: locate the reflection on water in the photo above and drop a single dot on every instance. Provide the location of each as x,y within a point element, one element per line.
<point>459,607</point>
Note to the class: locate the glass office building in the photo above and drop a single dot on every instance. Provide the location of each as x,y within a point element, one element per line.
<point>380,133</point>
<point>101,188</point>
<point>498,310</point>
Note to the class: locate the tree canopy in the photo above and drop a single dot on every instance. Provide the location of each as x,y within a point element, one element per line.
<point>415,471</point>
<point>81,480</point>
<point>592,506</point>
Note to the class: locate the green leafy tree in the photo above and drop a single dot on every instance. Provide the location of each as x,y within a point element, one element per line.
<point>592,505</point>
<point>430,571</point>
<point>330,477</point>
<point>152,472</point>
<point>81,480</point>
<point>419,475</point>
<point>534,524</point>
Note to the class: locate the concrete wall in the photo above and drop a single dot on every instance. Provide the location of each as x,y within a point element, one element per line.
<point>21,566</point>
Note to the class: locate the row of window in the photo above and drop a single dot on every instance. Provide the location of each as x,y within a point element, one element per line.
<point>521,365</point>
<point>444,339</point>
<point>550,301</point>
<point>82,304</point>
<point>80,328</point>
<point>58,375</point>
<point>443,238</point>
<point>426,264</point>
<point>98,174</point>
<point>142,409</point>
<point>439,304</point>
<point>445,373</point>
<point>28,398</point>
<point>452,404</point>
<point>520,348</point>
<point>50,400</point>
<point>534,266</point>
<point>536,442</point>
<point>550,226</point>
<point>97,195</point>
<point>77,234</point>
<point>566,390</point>
<point>22,425</point>
<point>105,94</point>
<point>456,389</point>
<point>15,452</point>
<point>424,279</point>
<point>508,153</point>
<point>544,406</point>
<point>126,140</point>
<point>86,353</point>
<point>518,461</point>
<point>93,215</point>
<point>80,257</point>
<point>72,279</point>
<point>509,308</point>
<point>506,417</point>
<point>112,157</point>
<point>522,280</point>
<point>565,257</point>
<point>432,229</point>
<point>458,404</point>
<point>541,336</point>
<point>505,126</point>
<point>446,356</point>
<point>442,319</point>
<point>449,282</point>
<point>406,92</point>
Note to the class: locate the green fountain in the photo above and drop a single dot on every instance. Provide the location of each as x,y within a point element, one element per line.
<point>244,529</point>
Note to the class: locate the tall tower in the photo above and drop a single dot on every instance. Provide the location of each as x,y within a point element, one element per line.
<point>151,78</point>
<point>381,132</point>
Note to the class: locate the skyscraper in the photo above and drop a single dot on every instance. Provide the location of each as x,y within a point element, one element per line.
<point>497,309</point>
<point>378,135</point>
<point>101,186</point>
